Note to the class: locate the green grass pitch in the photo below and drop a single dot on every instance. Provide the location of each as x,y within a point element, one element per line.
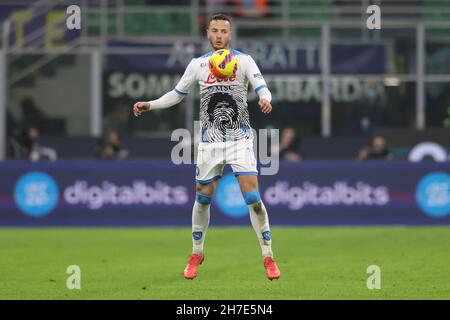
<point>148,263</point>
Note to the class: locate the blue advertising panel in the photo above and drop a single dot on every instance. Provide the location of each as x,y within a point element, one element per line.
<point>272,58</point>
<point>291,70</point>
<point>161,193</point>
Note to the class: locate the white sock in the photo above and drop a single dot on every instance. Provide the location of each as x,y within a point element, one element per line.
<point>200,223</point>
<point>260,222</point>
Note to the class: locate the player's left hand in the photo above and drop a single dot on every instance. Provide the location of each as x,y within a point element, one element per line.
<point>265,106</point>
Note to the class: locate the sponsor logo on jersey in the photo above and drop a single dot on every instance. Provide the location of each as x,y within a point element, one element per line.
<point>211,79</point>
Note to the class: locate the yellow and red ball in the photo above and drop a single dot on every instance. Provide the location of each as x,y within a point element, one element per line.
<point>223,64</point>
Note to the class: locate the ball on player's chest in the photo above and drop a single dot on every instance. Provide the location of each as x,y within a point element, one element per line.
<point>223,64</point>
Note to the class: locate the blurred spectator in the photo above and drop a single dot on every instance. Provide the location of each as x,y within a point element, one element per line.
<point>109,148</point>
<point>169,2</point>
<point>234,8</point>
<point>239,8</point>
<point>214,6</point>
<point>252,8</point>
<point>25,146</point>
<point>378,150</point>
<point>31,113</point>
<point>373,94</point>
<point>289,145</point>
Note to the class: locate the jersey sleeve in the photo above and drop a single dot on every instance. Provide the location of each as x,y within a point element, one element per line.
<point>188,79</point>
<point>254,76</point>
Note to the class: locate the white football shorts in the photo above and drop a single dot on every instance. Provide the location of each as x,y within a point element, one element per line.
<point>213,156</point>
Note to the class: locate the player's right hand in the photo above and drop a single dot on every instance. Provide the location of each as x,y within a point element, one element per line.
<point>140,107</point>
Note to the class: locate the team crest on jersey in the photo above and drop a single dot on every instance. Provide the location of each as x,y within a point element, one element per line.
<point>211,79</point>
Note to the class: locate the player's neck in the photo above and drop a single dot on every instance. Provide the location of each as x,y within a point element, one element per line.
<point>227,48</point>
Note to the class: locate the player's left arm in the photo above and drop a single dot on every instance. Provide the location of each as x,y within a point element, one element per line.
<point>173,97</point>
<point>259,85</point>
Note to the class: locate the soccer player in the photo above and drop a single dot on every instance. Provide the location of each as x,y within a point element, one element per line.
<point>225,131</point>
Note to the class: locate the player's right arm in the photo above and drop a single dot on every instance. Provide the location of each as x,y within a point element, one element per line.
<point>259,84</point>
<point>171,98</point>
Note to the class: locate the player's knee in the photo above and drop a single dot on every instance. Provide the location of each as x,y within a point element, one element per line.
<point>203,199</point>
<point>252,197</point>
<point>258,208</point>
<point>204,193</point>
<point>205,189</point>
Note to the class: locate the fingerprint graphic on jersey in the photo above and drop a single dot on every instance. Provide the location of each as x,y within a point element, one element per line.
<point>224,115</point>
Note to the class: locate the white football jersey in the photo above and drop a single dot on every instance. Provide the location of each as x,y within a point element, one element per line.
<point>223,103</point>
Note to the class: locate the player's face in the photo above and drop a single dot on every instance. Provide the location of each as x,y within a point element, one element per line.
<point>219,34</point>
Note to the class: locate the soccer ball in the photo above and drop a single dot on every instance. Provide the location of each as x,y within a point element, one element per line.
<point>223,64</point>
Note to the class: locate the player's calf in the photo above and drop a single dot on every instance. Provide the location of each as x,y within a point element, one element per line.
<point>260,221</point>
<point>200,221</point>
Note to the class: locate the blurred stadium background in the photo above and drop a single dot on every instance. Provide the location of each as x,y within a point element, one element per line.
<point>364,119</point>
